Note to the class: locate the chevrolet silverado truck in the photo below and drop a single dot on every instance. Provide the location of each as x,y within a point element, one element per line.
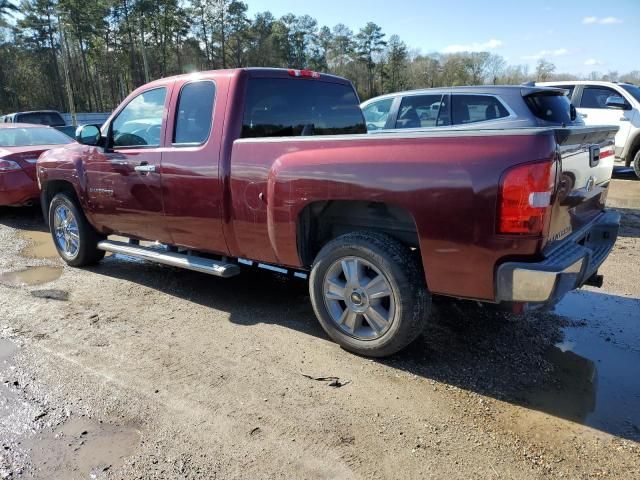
<point>274,167</point>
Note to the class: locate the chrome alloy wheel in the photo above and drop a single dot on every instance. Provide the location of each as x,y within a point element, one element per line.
<point>359,298</point>
<point>65,229</point>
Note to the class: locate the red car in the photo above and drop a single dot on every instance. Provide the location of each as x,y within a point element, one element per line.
<point>20,146</point>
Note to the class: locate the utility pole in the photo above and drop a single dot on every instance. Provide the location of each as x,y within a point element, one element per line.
<point>67,78</point>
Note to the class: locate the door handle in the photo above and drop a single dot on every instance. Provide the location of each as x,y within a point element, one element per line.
<point>624,119</point>
<point>145,168</point>
<point>583,115</point>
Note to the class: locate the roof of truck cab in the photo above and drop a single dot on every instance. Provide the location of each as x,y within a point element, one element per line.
<point>250,71</point>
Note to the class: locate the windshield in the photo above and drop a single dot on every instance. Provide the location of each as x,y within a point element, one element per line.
<point>53,119</point>
<point>23,137</point>
<point>633,90</point>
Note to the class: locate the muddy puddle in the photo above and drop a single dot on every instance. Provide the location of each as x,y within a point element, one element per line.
<point>596,368</point>
<point>74,448</point>
<point>7,349</point>
<point>31,276</point>
<point>40,245</point>
<point>81,448</point>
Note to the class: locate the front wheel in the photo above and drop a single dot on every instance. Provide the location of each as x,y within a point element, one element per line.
<point>369,293</point>
<point>74,237</point>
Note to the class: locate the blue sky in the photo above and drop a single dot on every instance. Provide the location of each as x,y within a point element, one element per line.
<point>577,36</point>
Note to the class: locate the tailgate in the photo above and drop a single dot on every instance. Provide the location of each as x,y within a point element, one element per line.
<point>587,155</point>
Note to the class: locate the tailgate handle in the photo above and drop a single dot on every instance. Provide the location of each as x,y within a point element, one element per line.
<point>594,155</point>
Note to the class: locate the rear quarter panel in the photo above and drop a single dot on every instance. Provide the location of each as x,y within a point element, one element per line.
<point>448,181</point>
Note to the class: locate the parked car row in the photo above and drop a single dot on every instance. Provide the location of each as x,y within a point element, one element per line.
<point>571,103</point>
<point>494,195</point>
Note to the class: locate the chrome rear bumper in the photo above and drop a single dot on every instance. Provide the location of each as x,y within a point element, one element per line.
<point>565,268</point>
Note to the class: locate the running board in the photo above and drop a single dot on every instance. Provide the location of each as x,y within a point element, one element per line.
<point>189,262</point>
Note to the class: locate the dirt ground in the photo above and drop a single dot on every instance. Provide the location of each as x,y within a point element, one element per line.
<point>137,371</point>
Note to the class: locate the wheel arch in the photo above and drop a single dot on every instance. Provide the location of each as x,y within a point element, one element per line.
<point>321,221</point>
<point>634,147</point>
<point>50,189</point>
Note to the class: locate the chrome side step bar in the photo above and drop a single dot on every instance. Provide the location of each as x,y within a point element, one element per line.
<point>189,262</point>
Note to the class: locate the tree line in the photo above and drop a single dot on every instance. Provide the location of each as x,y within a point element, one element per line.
<point>87,56</point>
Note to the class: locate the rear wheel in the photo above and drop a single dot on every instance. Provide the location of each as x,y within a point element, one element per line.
<point>636,163</point>
<point>369,294</point>
<point>74,237</point>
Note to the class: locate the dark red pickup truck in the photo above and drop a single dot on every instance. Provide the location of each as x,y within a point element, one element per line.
<point>274,166</point>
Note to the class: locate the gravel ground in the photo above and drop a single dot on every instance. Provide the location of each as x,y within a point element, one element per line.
<point>132,370</point>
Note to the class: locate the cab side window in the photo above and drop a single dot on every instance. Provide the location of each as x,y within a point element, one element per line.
<point>140,122</point>
<point>194,112</point>
<point>596,97</point>
<point>376,113</point>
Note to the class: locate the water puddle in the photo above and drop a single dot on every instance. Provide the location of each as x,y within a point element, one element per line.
<point>7,349</point>
<point>31,276</point>
<point>81,448</point>
<point>78,447</point>
<point>40,245</point>
<point>596,377</point>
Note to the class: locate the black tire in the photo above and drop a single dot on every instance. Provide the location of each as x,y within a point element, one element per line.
<point>636,163</point>
<point>88,253</point>
<point>404,276</point>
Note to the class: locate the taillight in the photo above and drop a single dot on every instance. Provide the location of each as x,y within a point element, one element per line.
<point>606,153</point>
<point>525,198</point>
<point>303,73</point>
<point>8,165</point>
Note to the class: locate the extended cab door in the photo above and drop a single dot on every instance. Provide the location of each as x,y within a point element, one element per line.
<point>593,109</point>
<point>190,174</point>
<point>123,179</point>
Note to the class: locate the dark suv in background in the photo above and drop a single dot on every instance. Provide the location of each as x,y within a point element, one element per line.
<point>51,118</point>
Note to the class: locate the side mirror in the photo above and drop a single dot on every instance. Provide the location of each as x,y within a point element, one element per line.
<point>573,113</point>
<point>617,102</point>
<point>88,134</point>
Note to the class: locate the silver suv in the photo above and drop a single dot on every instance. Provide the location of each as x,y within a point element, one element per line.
<point>485,107</point>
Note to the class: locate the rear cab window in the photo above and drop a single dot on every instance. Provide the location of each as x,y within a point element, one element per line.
<point>553,107</point>
<point>467,108</point>
<point>282,107</point>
